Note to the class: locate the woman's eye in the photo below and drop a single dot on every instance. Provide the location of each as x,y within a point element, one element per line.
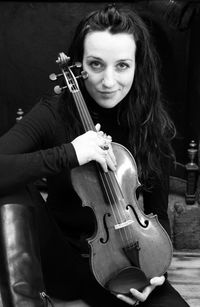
<point>96,65</point>
<point>122,66</point>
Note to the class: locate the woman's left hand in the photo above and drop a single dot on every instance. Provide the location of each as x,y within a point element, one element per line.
<point>142,296</point>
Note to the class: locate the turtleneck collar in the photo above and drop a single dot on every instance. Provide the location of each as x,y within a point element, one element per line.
<point>97,111</point>
<point>109,119</point>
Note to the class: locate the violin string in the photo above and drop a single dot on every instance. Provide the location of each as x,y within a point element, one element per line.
<point>86,117</point>
<point>105,178</point>
<point>109,186</point>
<point>112,189</point>
<point>86,122</point>
<point>114,182</point>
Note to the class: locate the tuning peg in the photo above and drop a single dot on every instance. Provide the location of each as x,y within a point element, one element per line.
<point>84,74</point>
<point>54,77</point>
<point>58,89</point>
<point>77,65</point>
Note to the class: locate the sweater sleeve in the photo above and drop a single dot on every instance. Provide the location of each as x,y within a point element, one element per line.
<point>24,154</point>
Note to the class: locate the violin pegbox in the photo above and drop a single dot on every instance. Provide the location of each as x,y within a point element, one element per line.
<point>67,73</point>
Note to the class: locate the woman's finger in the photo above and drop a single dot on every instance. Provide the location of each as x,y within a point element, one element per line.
<point>102,161</point>
<point>127,299</point>
<point>110,163</point>
<point>157,281</point>
<point>142,296</point>
<point>111,155</point>
<point>154,282</point>
<point>98,127</point>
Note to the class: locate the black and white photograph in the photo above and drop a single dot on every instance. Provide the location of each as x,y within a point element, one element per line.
<point>100,153</point>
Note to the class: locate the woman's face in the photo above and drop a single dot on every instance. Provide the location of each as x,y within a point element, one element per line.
<point>109,60</point>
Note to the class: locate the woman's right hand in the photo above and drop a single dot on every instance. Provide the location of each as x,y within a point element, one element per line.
<point>95,146</point>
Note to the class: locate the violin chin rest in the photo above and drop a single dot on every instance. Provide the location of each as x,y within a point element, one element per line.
<point>127,278</point>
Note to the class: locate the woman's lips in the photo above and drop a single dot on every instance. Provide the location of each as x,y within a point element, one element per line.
<point>106,93</point>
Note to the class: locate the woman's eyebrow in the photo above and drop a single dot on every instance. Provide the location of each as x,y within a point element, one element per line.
<point>93,57</point>
<point>98,58</point>
<point>125,59</point>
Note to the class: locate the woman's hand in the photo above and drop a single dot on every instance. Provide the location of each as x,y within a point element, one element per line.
<point>95,146</point>
<point>142,296</point>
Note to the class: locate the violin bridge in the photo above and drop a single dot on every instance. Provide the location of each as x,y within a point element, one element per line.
<point>124,224</point>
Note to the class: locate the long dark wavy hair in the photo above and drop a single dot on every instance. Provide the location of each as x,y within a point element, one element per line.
<point>150,128</point>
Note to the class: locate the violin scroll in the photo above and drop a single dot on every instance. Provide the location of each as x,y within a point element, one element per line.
<point>62,59</point>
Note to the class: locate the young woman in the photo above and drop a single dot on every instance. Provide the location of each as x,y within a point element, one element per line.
<point>122,93</point>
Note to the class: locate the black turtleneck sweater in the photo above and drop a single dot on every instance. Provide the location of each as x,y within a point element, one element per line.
<point>37,147</point>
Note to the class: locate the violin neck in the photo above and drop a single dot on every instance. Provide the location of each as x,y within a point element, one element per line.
<point>83,112</point>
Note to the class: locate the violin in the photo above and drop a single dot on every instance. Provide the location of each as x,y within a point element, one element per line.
<point>128,248</point>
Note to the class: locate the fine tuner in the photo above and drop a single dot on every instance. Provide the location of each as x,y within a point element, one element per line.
<point>62,60</point>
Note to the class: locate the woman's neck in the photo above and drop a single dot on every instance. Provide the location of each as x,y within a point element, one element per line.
<point>109,119</point>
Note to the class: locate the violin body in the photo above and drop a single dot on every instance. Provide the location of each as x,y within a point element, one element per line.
<point>129,252</point>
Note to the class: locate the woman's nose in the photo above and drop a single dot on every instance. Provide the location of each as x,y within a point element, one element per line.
<point>108,79</point>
